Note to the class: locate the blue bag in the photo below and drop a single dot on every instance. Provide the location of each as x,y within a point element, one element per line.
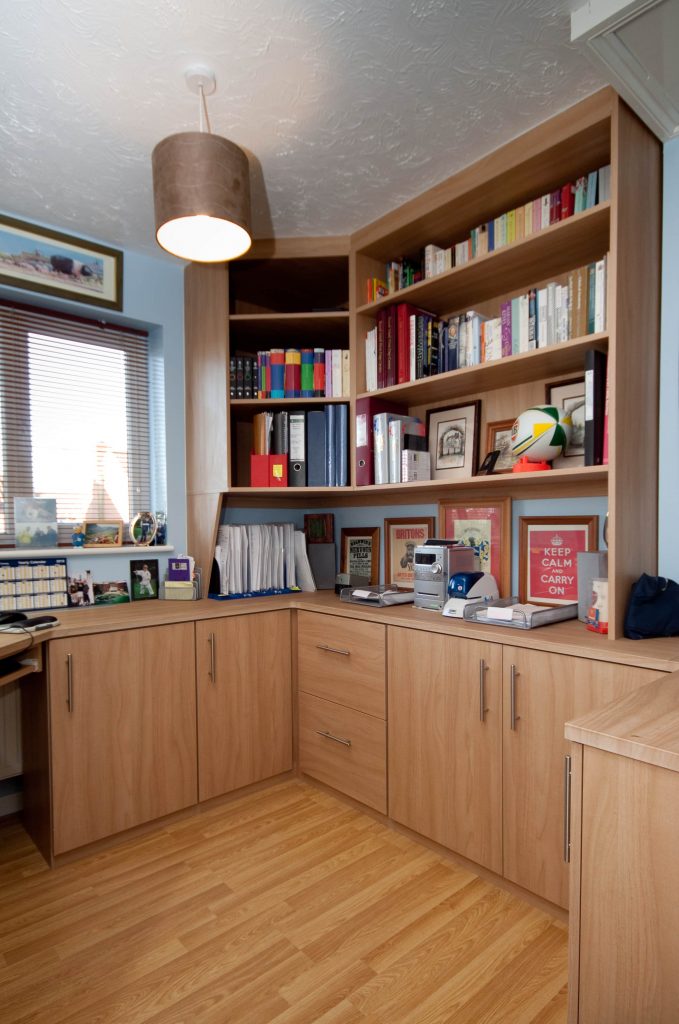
<point>653,608</point>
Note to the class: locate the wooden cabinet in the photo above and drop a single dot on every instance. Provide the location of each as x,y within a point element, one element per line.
<point>123,730</point>
<point>445,741</point>
<point>541,692</point>
<point>342,709</point>
<point>244,695</point>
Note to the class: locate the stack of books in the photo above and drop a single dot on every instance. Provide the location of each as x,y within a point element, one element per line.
<point>290,373</point>
<point>510,226</point>
<point>408,344</point>
<point>301,448</point>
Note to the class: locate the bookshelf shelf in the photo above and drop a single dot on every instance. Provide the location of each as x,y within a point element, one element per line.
<point>570,243</point>
<point>299,329</point>
<point>282,403</point>
<point>566,357</point>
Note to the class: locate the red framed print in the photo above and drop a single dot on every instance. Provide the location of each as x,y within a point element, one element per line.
<point>486,526</point>
<point>548,556</point>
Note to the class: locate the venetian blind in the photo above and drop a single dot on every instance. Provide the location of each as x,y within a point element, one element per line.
<point>76,417</point>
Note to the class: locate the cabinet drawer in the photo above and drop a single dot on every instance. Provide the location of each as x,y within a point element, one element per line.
<point>356,766</point>
<point>342,660</point>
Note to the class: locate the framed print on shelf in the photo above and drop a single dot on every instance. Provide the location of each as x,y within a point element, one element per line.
<point>401,537</point>
<point>105,534</point>
<point>569,395</point>
<point>486,526</point>
<point>360,552</point>
<point>499,438</point>
<point>144,579</point>
<point>41,260</point>
<point>548,556</point>
<point>454,441</point>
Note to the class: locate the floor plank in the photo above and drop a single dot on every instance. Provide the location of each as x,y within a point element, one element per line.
<point>283,907</point>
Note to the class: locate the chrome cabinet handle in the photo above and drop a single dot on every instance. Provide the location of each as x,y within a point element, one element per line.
<point>211,673</point>
<point>329,736</point>
<point>513,717</point>
<point>482,691</point>
<point>333,650</point>
<point>69,683</point>
<point>567,777</point>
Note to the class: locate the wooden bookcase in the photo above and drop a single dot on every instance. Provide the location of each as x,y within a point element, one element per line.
<point>597,131</point>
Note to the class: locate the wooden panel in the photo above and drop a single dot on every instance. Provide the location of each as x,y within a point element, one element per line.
<point>356,767</point>
<point>550,690</point>
<point>576,753</point>
<point>125,752</point>
<point>203,511</point>
<point>634,314</point>
<point>37,805</point>
<point>629,914</point>
<point>206,371</point>
<point>445,763</point>
<point>245,710</point>
<point>342,661</point>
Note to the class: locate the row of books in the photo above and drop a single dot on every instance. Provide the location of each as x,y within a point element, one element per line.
<point>290,373</point>
<point>408,343</point>
<point>511,226</point>
<point>301,449</point>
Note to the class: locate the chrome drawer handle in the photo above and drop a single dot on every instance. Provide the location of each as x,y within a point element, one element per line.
<point>334,650</point>
<point>329,736</point>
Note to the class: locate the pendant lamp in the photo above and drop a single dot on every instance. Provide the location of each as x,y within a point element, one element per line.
<point>201,189</point>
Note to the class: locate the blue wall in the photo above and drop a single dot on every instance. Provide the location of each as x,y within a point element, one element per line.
<point>668,541</point>
<point>153,300</point>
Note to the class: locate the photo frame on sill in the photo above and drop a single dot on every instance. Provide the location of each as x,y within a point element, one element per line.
<point>548,556</point>
<point>453,435</point>
<point>42,260</point>
<point>485,526</point>
<point>360,552</point>
<point>107,533</point>
<point>401,537</point>
<point>569,395</point>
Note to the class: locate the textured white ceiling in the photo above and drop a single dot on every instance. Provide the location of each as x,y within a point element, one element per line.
<point>346,109</point>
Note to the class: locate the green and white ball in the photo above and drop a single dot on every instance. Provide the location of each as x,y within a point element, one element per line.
<point>541,433</point>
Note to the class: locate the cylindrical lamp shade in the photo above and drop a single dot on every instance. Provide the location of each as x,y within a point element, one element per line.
<point>201,190</point>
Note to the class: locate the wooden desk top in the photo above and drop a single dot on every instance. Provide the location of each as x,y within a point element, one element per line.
<point>643,726</point>
<point>570,638</point>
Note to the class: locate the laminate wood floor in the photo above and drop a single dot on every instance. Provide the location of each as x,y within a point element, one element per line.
<point>283,907</point>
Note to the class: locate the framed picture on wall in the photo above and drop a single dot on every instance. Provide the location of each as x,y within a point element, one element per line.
<point>360,552</point>
<point>569,395</point>
<point>548,556</point>
<point>499,438</point>
<point>401,537</point>
<point>486,526</point>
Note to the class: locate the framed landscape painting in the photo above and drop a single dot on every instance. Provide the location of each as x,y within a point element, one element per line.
<point>41,260</point>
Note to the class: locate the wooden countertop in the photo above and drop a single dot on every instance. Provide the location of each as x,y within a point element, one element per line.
<point>643,726</point>
<point>569,638</point>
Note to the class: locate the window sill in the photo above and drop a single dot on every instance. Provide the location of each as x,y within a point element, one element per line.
<point>125,549</point>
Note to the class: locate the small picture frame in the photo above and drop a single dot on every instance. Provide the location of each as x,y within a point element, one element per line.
<point>42,260</point>
<point>486,526</point>
<point>548,556</point>
<point>360,552</point>
<point>453,435</point>
<point>401,537</point>
<point>35,523</point>
<point>106,533</point>
<point>144,579</point>
<point>569,395</point>
<point>499,438</point>
<point>115,592</point>
<point>143,529</point>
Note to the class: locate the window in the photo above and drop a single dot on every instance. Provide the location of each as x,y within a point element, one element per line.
<point>80,413</point>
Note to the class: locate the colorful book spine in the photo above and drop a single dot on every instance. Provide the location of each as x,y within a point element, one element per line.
<point>319,373</point>
<point>307,373</point>
<point>506,320</point>
<point>293,373</point>
<point>277,364</point>
<point>328,374</point>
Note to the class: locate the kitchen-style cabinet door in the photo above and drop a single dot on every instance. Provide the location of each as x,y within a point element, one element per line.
<point>244,690</point>
<point>445,741</point>
<point>123,730</point>
<point>541,693</point>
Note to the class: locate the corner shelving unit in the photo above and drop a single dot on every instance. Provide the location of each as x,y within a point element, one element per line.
<point>265,299</point>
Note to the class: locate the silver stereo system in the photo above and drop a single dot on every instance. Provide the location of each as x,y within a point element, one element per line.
<point>435,562</point>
